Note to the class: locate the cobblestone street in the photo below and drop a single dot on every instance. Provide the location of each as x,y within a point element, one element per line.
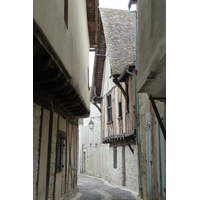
<point>93,188</point>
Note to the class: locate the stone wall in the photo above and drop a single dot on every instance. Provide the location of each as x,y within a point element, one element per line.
<point>128,160</point>
<point>132,171</point>
<point>115,173</point>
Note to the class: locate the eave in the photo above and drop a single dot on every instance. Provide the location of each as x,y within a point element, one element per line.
<point>100,56</point>
<point>52,88</point>
<point>92,17</point>
<point>124,74</point>
<point>120,138</point>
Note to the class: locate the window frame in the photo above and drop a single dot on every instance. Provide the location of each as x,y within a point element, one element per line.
<point>127,97</point>
<point>109,108</point>
<point>120,109</point>
<point>61,138</point>
<point>115,157</point>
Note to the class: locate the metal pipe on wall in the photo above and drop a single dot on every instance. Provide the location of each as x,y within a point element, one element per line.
<point>136,105</point>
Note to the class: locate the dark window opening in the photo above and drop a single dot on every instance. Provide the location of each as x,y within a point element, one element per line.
<point>120,109</point>
<point>109,108</point>
<point>59,154</point>
<point>66,12</point>
<point>127,98</point>
<point>115,157</point>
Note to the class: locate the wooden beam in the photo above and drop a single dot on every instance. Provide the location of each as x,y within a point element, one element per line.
<point>115,80</point>
<point>158,116</point>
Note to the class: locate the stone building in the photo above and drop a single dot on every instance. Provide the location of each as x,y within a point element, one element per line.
<point>93,154</point>
<point>63,33</point>
<point>151,88</point>
<point>114,88</point>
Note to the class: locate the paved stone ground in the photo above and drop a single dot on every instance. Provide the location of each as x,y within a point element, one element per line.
<point>96,189</point>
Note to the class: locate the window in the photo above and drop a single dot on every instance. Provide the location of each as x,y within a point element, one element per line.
<point>60,151</point>
<point>115,157</point>
<point>127,98</point>
<point>66,12</point>
<point>59,155</point>
<point>109,108</point>
<point>120,109</point>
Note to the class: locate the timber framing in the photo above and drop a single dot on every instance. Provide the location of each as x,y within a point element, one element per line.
<point>52,88</point>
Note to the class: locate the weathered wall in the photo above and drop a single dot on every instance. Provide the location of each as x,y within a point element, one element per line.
<point>132,171</point>
<point>116,175</point>
<point>126,172</point>
<point>107,82</point>
<point>45,179</point>
<point>127,123</point>
<point>42,187</point>
<point>130,115</point>
<point>72,158</point>
<point>53,155</point>
<point>36,135</point>
<point>72,43</point>
<point>147,114</point>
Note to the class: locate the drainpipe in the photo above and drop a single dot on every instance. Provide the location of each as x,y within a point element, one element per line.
<point>137,110</point>
<point>136,106</point>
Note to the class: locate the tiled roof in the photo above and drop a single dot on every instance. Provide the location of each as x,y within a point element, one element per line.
<point>119,30</point>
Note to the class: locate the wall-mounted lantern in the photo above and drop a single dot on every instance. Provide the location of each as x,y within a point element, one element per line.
<point>91,125</point>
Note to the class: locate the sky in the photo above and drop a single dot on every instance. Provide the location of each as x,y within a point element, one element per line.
<point>116,4</point>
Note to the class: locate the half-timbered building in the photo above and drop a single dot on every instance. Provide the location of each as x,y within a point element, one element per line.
<point>114,88</point>
<point>63,32</point>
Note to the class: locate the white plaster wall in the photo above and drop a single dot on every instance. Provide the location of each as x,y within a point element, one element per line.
<point>72,44</point>
<point>90,143</point>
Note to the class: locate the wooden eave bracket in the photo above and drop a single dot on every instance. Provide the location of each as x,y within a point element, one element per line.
<point>158,116</point>
<point>95,104</point>
<point>115,80</point>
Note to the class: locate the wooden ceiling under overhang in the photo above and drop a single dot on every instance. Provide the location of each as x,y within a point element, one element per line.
<point>100,55</point>
<point>51,82</point>
<point>92,16</point>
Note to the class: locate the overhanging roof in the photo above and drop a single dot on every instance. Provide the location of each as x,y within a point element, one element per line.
<point>52,88</point>
<point>92,16</point>
<point>117,34</point>
<point>119,30</point>
<point>100,55</point>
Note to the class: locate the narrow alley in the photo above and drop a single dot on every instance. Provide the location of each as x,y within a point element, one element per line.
<point>99,100</point>
<point>93,188</point>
